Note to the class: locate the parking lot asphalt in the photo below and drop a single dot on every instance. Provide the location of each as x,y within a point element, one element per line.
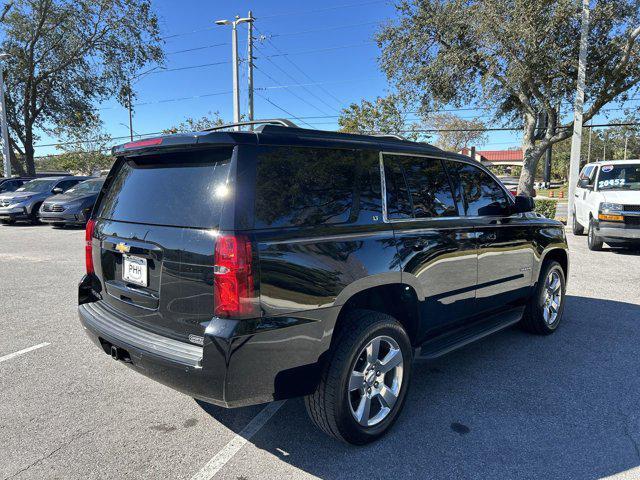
<point>513,406</point>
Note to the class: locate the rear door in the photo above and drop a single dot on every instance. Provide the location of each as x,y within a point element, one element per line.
<point>505,239</point>
<point>156,227</point>
<point>436,243</point>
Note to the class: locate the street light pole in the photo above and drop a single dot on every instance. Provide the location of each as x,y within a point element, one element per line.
<point>234,59</point>
<point>6,151</point>
<point>576,142</point>
<point>250,67</point>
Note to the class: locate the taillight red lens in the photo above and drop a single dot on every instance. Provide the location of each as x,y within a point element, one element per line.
<point>233,277</point>
<point>88,248</point>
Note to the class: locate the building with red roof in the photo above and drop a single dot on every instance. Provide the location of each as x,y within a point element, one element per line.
<point>496,157</point>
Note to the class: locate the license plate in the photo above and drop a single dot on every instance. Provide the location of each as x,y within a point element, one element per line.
<point>134,270</point>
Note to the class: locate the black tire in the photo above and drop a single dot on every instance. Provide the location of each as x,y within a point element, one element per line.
<point>534,320</point>
<point>576,227</point>
<point>33,217</point>
<point>7,222</point>
<point>593,241</point>
<point>330,406</point>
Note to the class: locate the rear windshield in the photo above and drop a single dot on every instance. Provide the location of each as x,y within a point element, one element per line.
<point>184,189</point>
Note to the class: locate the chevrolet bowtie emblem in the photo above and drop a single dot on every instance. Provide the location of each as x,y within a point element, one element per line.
<point>123,247</point>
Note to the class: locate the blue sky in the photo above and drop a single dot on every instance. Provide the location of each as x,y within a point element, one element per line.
<point>326,46</point>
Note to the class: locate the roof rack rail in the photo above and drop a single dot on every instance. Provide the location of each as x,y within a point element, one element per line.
<point>388,135</point>
<point>283,122</point>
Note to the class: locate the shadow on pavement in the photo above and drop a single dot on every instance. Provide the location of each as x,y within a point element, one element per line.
<point>511,406</point>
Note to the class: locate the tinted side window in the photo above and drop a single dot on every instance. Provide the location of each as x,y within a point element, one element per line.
<point>427,183</point>
<point>311,186</point>
<point>398,197</point>
<point>483,196</point>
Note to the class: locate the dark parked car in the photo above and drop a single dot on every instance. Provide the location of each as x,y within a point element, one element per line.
<point>11,184</point>
<point>243,267</point>
<point>23,204</point>
<point>72,207</point>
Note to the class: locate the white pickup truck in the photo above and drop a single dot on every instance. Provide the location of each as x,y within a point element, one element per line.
<point>607,203</point>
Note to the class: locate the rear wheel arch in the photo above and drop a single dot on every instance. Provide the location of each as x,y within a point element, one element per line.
<point>397,300</point>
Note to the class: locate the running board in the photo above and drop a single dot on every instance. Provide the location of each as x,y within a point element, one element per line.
<point>445,343</point>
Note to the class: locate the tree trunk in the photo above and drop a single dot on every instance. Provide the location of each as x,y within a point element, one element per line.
<point>530,156</point>
<point>29,151</point>
<point>529,163</point>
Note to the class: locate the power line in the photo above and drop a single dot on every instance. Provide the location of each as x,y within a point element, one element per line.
<point>313,94</point>
<point>290,91</point>
<point>190,32</point>
<point>288,14</point>
<point>324,29</point>
<point>196,48</point>
<point>508,129</point>
<point>295,65</point>
<point>301,119</point>
<point>283,110</point>
<point>325,9</point>
<point>189,67</point>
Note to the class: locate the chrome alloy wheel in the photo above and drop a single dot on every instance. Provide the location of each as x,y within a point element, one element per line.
<point>375,381</point>
<point>552,297</point>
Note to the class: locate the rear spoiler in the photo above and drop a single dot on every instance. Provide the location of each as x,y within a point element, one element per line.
<point>181,141</point>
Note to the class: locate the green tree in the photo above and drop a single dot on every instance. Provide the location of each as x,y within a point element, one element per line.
<point>518,57</point>
<point>597,144</point>
<point>384,115</point>
<point>455,133</point>
<point>197,124</point>
<point>65,57</point>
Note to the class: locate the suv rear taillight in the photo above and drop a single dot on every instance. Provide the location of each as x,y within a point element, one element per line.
<point>233,283</point>
<point>88,248</point>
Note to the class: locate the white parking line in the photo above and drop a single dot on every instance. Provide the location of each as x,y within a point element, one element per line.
<point>20,352</point>
<point>214,465</point>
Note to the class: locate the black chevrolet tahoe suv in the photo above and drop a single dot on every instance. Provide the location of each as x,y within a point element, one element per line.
<point>241,267</point>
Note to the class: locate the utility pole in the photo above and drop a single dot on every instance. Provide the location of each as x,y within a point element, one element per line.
<point>589,149</point>
<point>234,60</point>
<point>6,151</point>
<point>250,67</point>
<point>576,142</point>
<point>130,112</point>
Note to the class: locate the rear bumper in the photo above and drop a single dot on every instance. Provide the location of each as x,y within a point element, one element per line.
<point>241,362</point>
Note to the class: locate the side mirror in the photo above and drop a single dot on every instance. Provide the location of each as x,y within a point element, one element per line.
<point>57,190</point>
<point>524,204</point>
<point>583,183</point>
